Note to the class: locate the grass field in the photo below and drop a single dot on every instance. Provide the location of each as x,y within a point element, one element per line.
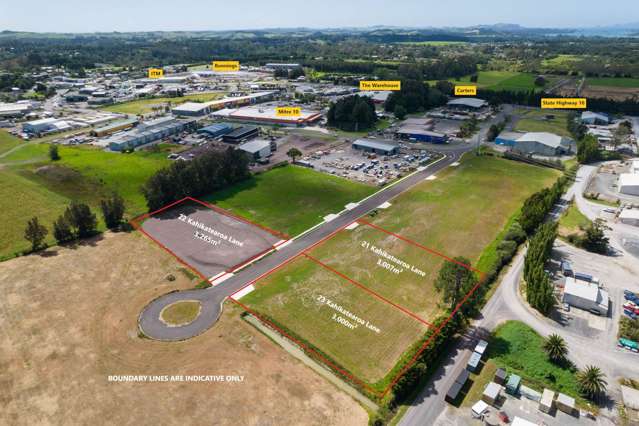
<point>298,297</point>
<point>499,80</point>
<point>614,82</point>
<point>144,106</point>
<point>44,188</point>
<point>517,348</point>
<point>572,221</point>
<point>459,213</point>
<point>536,121</point>
<point>290,199</point>
<point>8,141</point>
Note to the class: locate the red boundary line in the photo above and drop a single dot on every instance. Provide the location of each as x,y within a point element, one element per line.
<point>138,226</point>
<point>346,374</point>
<point>368,290</point>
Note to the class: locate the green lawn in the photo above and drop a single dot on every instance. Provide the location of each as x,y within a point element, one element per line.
<point>8,141</point>
<point>536,121</point>
<point>43,188</point>
<point>143,106</point>
<point>290,199</point>
<point>572,221</point>
<point>499,80</point>
<point>517,348</point>
<point>614,82</point>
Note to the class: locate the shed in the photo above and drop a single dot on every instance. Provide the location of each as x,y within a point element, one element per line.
<point>481,347</point>
<point>473,362</point>
<point>565,403</point>
<point>500,376</point>
<point>479,409</point>
<point>491,393</point>
<point>547,400</point>
<point>512,387</point>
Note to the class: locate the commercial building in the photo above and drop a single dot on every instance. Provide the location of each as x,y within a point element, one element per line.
<point>587,296</point>
<point>237,101</point>
<point>414,133</point>
<point>45,125</point>
<point>257,149</point>
<point>192,109</point>
<point>241,134</point>
<point>375,146</point>
<point>268,115</point>
<point>544,143</point>
<point>280,66</point>
<point>508,138</point>
<point>629,217</point>
<point>17,109</point>
<point>467,104</point>
<point>216,130</point>
<point>148,132</point>
<point>594,118</point>
<point>114,127</point>
<point>629,183</point>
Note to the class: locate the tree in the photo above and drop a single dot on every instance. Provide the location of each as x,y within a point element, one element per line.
<point>588,150</point>
<point>81,219</point>
<point>62,231</point>
<point>54,155</point>
<point>591,381</point>
<point>540,81</point>
<point>400,112</point>
<point>455,280</point>
<point>293,153</point>
<point>35,233</point>
<point>112,210</point>
<point>555,347</point>
<point>595,239</point>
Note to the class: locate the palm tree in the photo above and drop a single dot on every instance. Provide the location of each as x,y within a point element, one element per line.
<point>555,347</point>
<point>591,381</point>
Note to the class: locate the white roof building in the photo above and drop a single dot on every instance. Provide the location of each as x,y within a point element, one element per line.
<point>629,217</point>
<point>587,296</point>
<point>629,183</point>
<point>475,103</point>
<point>544,143</point>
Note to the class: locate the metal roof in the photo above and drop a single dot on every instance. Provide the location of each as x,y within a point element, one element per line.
<point>544,138</point>
<point>628,179</point>
<point>469,102</point>
<point>255,146</point>
<point>411,130</point>
<point>191,107</point>
<point>373,144</point>
<point>241,131</point>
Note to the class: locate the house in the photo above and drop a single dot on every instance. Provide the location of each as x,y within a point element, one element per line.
<point>594,118</point>
<point>587,296</point>
<point>629,183</point>
<point>377,147</point>
<point>544,143</point>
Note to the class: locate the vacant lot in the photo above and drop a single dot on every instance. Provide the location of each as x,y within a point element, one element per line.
<point>8,141</point>
<point>290,199</point>
<point>459,214</point>
<point>501,80</point>
<point>144,106</point>
<point>305,298</point>
<point>69,322</point>
<point>539,121</point>
<point>614,82</point>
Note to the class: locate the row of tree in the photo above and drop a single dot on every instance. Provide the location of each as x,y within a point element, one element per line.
<point>539,288</point>
<point>77,222</point>
<point>212,171</point>
<point>352,113</point>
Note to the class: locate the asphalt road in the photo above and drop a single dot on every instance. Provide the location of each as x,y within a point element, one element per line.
<point>213,297</point>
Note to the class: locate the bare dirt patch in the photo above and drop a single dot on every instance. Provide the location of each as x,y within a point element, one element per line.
<point>69,320</point>
<point>608,92</point>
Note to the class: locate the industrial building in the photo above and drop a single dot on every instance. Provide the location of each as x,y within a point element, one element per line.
<point>594,118</point>
<point>414,133</point>
<point>17,109</point>
<point>543,143</point>
<point>276,66</point>
<point>257,149</point>
<point>192,109</point>
<point>629,217</point>
<point>216,130</point>
<point>508,138</point>
<point>587,296</point>
<point>241,134</point>
<point>114,127</point>
<point>629,183</point>
<point>45,125</point>
<point>268,115</point>
<point>467,104</point>
<point>375,146</point>
<point>148,132</point>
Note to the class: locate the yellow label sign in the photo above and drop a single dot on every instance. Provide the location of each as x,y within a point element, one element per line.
<point>156,73</point>
<point>563,103</point>
<point>465,90</point>
<point>225,66</point>
<point>288,111</point>
<point>380,85</point>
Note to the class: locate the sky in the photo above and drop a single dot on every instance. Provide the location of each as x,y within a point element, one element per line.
<point>188,15</point>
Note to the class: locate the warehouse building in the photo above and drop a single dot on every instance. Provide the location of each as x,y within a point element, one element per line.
<point>192,109</point>
<point>544,143</point>
<point>508,138</point>
<point>419,134</point>
<point>241,134</point>
<point>257,149</point>
<point>268,115</point>
<point>629,183</point>
<point>467,104</point>
<point>17,109</point>
<point>594,118</point>
<point>279,66</point>
<point>114,127</point>
<point>587,296</point>
<point>148,132</point>
<point>216,130</point>
<point>45,125</point>
<point>376,147</point>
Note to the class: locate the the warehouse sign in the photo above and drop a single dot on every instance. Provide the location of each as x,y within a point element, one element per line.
<point>288,111</point>
<point>563,103</point>
<point>380,85</point>
<point>226,66</point>
<point>465,90</point>
<point>156,73</point>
